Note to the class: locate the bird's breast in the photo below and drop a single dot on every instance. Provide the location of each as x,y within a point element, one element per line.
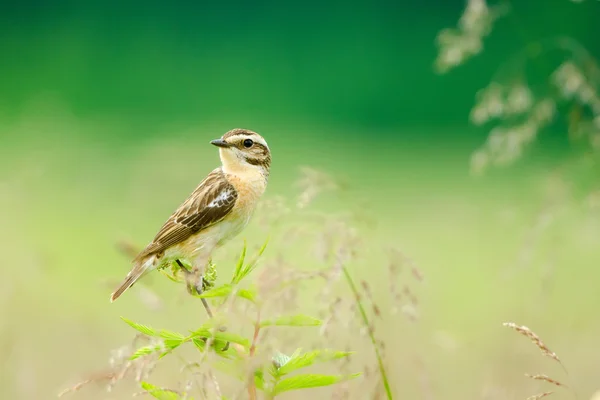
<point>249,192</point>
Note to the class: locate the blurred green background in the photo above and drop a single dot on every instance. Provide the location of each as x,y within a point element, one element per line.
<point>106,111</point>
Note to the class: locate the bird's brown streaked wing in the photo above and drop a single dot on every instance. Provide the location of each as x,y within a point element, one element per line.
<point>212,201</point>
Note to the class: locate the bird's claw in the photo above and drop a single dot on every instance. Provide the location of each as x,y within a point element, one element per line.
<point>198,287</point>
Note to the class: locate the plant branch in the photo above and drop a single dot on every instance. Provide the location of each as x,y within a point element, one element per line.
<point>365,320</point>
<point>252,351</point>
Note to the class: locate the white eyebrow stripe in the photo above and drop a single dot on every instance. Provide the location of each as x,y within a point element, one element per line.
<point>260,140</point>
<point>223,196</point>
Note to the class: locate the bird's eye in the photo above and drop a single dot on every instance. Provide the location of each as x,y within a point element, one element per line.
<point>248,143</point>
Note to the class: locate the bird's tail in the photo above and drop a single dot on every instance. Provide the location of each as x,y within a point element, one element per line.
<point>138,270</point>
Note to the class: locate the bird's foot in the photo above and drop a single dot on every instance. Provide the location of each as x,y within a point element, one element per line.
<point>196,285</point>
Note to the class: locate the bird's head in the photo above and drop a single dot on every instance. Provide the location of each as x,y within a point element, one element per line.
<point>243,150</point>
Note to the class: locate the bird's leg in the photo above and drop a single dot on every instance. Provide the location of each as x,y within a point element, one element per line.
<point>199,290</point>
<point>197,285</point>
<point>191,278</point>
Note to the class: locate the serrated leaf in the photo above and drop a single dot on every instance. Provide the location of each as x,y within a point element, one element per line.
<point>279,360</point>
<point>227,290</point>
<point>209,332</point>
<point>309,381</point>
<point>218,336</point>
<point>160,393</point>
<point>310,358</point>
<point>168,335</point>
<point>232,338</point>
<point>164,353</point>
<point>146,330</point>
<point>292,320</point>
<point>146,350</point>
<point>238,267</point>
<point>205,329</point>
<point>247,294</point>
<point>251,266</point>
<point>172,343</point>
<point>219,291</point>
<point>199,343</point>
<point>241,269</point>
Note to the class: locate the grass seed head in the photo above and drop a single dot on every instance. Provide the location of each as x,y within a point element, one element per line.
<point>545,378</point>
<point>539,396</point>
<point>525,331</point>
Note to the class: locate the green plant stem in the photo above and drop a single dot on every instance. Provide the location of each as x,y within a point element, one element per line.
<point>365,318</point>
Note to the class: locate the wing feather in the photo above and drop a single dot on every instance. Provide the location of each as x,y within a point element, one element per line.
<point>210,203</point>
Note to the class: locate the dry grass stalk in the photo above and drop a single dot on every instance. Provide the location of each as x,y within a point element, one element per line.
<point>545,378</point>
<point>417,274</point>
<point>311,184</point>
<point>94,378</point>
<point>539,396</point>
<point>398,261</point>
<point>367,290</point>
<point>145,392</point>
<point>330,316</point>
<point>394,268</point>
<point>525,331</point>
<point>120,367</point>
<point>410,295</point>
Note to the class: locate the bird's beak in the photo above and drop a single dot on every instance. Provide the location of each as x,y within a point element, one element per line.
<point>220,143</point>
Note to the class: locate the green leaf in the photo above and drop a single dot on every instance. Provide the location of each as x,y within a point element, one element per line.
<point>248,268</point>
<point>168,335</point>
<point>165,353</point>
<point>242,270</point>
<point>159,393</point>
<point>199,343</point>
<point>144,351</point>
<point>218,346</point>
<point>259,379</point>
<point>232,338</point>
<point>205,329</point>
<point>240,264</point>
<point>247,294</point>
<point>226,290</point>
<point>292,320</point>
<point>279,360</point>
<point>172,343</point>
<point>304,360</point>
<point>221,336</point>
<point>146,330</point>
<point>309,381</point>
<point>219,291</point>
<point>263,247</point>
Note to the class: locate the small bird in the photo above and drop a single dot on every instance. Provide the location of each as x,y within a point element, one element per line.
<point>219,208</point>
